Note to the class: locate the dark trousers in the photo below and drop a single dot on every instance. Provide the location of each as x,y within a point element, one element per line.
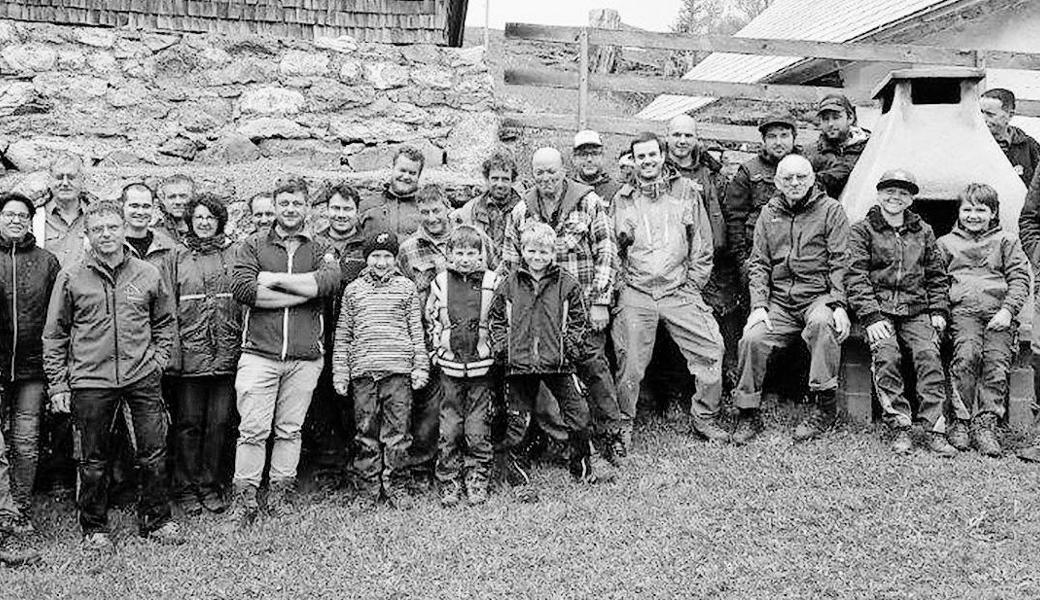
<point>465,428</point>
<point>921,339</point>
<point>981,363</point>
<point>594,372</point>
<point>201,434</point>
<point>382,411</point>
<point>328,430</point>
<point>24,407</point>
<point>94,411</point>
<point>426,416</point>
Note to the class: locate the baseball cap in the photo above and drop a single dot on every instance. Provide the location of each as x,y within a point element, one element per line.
<point>835,102</point>
<point>776,119</point>
<point>587,137</point>
<point>898,178</point>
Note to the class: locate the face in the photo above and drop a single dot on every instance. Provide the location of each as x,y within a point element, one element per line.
<point>404,178</point>
<point>548,173</point>
<point>381,261</point>
<point>778,141</point>
<point>834,124</point>
<point>66,180</point>
<point>538,257</point>
<point>588,161</point>
<point>14,220</point>
<point>996,117</point>
<point>263,212</point>
<point>204,222</point>
<point>682,139</point>
<point>975,216</point>
<point>343,216</point>
<point>175,197</point>
<point>434,215</point>
<point>290,210</point>
<point>894,200</point>
<point>795,179</point>
<point>106,233</point>
<point>648,159</point>
<point>499,183</point>
<point>465,259</point>
<point>138,208</point>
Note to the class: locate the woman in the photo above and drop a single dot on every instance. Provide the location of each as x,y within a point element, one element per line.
<point>209,330</point>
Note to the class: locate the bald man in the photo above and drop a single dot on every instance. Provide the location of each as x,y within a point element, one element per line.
<point>796,276</point>
<point>586,250</point>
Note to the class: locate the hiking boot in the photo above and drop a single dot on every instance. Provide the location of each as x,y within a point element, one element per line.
<point>476,490</point>
<point>398,498</point>
<point>749,424</point>
<point>214,502</point>
<point>19,525</point>
<point>15,552</point>
<point>244,507</point>
<point>420,483</point>
<point>676,412</point>
<point>618,448</point>
<point>169,534</point>
<point>190,506</point>
<point>555,452</point>
<point>821,418</point>
<point>525,494</point>
<point>902,443</point>
<point>938,445</point>
<point>367,497</point>
<point>957,434</point>
<point>600,469</point>
<point>451,493</point>
<point>709,429</point>
<point>280,497</point>
<point>98,543</point>
<point>983,435</point>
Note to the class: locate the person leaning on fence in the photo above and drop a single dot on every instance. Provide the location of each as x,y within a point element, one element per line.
<point>380,353</point>
<point>898,288</point>
<point>538,328</point>
<point>457,313</point>
<point>990,284</point>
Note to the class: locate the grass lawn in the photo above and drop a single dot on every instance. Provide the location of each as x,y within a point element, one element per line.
<point>837,518</point>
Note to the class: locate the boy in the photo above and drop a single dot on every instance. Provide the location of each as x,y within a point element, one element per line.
<point>990,283</point>
<point>457,311</point>
<point>898,286</point>
<point>380,351</point>
<point>538,327</point>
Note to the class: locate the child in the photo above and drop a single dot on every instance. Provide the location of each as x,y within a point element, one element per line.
<point>990,274</point>
<point>538,325</point>
<point>898,287</point>
<point>380,351</point>
<point>457,310</point>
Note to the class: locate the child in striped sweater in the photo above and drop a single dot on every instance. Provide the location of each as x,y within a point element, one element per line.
<point>380,349</point>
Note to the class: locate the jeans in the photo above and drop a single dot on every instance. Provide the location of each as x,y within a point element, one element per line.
<point>382,411</point>
<point>426,413</point>
<point>8,506</point>
<point>25,406</point>
<point>981,363</point>
<point>918,335</point>
<point>272,395</point>
<point>94,411</point>
<point>465,428</point>
<point>201,428</point>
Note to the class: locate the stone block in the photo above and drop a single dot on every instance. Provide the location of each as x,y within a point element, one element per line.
<point>243,71</point>
<point>271,100</point>
<point>205,114</point>
<point>297,63</point>
<point>95,36</point>
<point>343,44</point>
<point>127,92</point>
<point>421,53</point>
<point>315,154</point>
<point>179,146</point>
<point>102,62</point>
<point>230,149</point>
<point>30,58</point>
<point>269,127</point>
<point>351,71</point>
<point>472,56</point>
<point>157,42</point>
<point>71,59</point>
<point>370,131</point>
<point>125,48</point>
<point>19,98</point>
<point>70,87</point>
<point>327,95</point>
<point>433,77</point>
<point>121,158</point>
<point>386,76</point>
<point>471,140</point>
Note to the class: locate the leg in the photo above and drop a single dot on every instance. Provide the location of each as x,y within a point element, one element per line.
<point>754,349</point>
<point>25,437</point>
<point>576,415</point>
<point>368,415</point>
<point>966,367</point>
<point>8,507</point>
<point>294,397</point>
<point>520,396</point>
<point>594,372</point>
<point>189,406</point>
<point>449,460</point>
<point>425,427</point>
<point>886,359</point>
<point>997,355</point>
<point>93,413</point>
<point>256,387</point>
<point>217,430</point>
<point>693,327</point>
<point>923,342</point>
<point>144,399</point>
<point>478,428</point>
<point>824,349</point>
<point>395,437</point>
<point>635,332</point>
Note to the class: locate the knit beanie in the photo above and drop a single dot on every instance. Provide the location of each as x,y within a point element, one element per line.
<point>381,240</point>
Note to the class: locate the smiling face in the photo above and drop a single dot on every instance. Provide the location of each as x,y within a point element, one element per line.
<point>14,220</point>
<point>381,261</point>
<point>588,161</point>
<point>404,177</point>
<point>290,210</point>
<point>538,257</point>
<point>894,200</point>
<point>974,217</point>
<point>106,233</point>
<point>649,159</point>
<point>262,212</point>
<point>175,197</point>
<point>834,124</point>
<point>66,180</point>
<point>204,222</point>
<point>682,138</point>
<point>547,169</point>
<point>343,215</point>
<point>778,141</point>
<point>434,215</point>
<point>138,208</point>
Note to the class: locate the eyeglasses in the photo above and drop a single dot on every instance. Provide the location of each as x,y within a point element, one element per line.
<point>203,218</point>
<point>13,216</point>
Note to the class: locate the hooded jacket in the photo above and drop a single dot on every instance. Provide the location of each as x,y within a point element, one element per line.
<point>604,186</point>
<point>988,271</point>
<point>895,272</point>
<point>27,276</point>
<point>751,188</point>
<point>800,253</point>
<point>107,327</point>
<point>706,173</point>
<point>491,220</point>
<point>833,161</point>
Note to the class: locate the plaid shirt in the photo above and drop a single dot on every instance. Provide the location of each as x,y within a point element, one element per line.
<point>421,257</point>
<point>585,246</point>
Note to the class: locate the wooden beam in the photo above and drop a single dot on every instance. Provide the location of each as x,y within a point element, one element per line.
<point>583,78</point>
<point>541,33</point>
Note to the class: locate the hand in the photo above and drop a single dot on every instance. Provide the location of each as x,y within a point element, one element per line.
<point>842,324</point>
<point>1000,321</point>
<point>420,378</point>
<point>599,316</point>
<point>60,402</point>
<point>882,330</point>
<point>483,350</point>
<point>759,315</point>
<point>939,323</point>
<point>342,386</point>
<point>267,279</point>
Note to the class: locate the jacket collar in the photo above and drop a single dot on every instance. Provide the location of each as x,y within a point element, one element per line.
<point>160,243</point>
<point>811,199</point>
<point>482,206</point>
<point>551,271</point>
<point>573,192</point>
<point>965,234</point>
<point>391,194</point>
<point>768,159</point>
<point>858,136</point>
<point>370,275</point>
<point>27,242</point>
<point>911,220</point>
<point>274,238</point>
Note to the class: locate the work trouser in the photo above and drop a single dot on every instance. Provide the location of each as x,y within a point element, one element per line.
<point>922,340</point>
<point>691,325</point>
<point>426,415</point>
<point>94,411</point>
<point>465,428</point>
<point>382,412</point>
<point>328,429</point>
<point>981,364</point>
<point>8,507</point>
<point>201,413</point>
<point>813,324</point>
<point>24,408</point>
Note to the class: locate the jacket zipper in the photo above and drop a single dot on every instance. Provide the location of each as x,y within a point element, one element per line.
<point>794,246</point>
<point>289,252</point>
<point>111,309</point>
<point>14,308</point>
<point>899,267</point>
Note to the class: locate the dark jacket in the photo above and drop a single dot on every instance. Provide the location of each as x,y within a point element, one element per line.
<point>988,271</point>
<point>706,173</point>
<point>292,333</point>
<point>800,253</point>
<point>390,212</point>
<point>1023,152</point>
<point>748,192</point>
<point>350,252</point>
<point>27,275</point>
<point>833,161</point>
<point>895,272</point>
<point>604,186</point>
<point>538,325</point>
<point>107,328</point>
<point>489,219</point>
<point>209,320</point>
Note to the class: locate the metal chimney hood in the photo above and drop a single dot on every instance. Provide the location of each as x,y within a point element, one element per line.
<point>931,124</point>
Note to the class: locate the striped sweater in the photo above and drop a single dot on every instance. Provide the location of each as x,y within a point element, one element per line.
<point>380,329</point>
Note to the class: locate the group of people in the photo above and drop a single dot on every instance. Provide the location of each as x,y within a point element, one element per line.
<point>436,346</point>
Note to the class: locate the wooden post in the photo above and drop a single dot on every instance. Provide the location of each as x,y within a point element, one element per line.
<point>487,25</point>
<point>604,58</point>
<point>583,79</point>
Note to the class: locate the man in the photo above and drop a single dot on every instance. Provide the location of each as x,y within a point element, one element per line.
<point>174,192</point>
<point>998,108</point>
<point>110,328</point>
<point>586,250</point>
<point>792,299</point>
<point>489,212</point>
<point>282,276</point>
<point>588,165</point>
<point>840,144</point>
<point>665,242</point>
<point>261,209</point>
<point>149,244</point>
<point>395,209</point>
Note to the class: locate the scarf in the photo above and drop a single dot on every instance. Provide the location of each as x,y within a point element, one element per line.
<point>205,246</point>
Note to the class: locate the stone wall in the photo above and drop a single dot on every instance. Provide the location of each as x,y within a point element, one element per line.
<point>237,113</point>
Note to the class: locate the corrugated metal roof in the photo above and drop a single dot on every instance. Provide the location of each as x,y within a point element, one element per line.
<point>815,20</point>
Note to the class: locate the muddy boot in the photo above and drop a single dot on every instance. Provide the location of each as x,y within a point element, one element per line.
<point>984,436</point>
<point>749,424</point>
<point>821,417</point>
<point>244,507</point>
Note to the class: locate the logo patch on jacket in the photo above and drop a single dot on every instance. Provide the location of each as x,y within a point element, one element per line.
<point>133,293</point>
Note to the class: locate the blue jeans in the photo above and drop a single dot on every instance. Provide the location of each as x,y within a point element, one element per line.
<point>25,406</point>
<point>201,432</point>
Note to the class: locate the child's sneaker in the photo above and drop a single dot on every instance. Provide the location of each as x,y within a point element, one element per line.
<point>957,434</point>
<point>451,493</point>
<point>476,490</point>
<point>398,498</point>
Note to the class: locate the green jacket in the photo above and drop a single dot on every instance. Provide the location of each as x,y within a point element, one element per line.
<point>989,271</point>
